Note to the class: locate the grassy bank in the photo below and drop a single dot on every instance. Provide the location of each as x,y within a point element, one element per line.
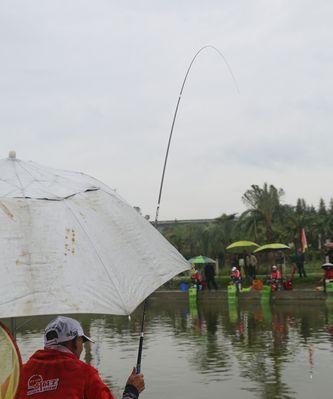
<point>312,281</point>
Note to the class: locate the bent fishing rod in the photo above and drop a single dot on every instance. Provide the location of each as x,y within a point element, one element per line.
<point>207,47</point>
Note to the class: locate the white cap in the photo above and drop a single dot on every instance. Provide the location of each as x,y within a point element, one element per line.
<point>233,269</point>
<point>274,267</point>
<point>65,329</point>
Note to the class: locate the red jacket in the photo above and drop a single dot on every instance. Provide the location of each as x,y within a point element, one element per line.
<point>197,276</point>
<point>276,275</point>
<point>235,274</point>
<point>328,274</point>
<point>51,374</point>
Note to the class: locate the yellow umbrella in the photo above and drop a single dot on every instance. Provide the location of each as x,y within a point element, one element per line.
<point>272,247</point>
<point>240,246</point>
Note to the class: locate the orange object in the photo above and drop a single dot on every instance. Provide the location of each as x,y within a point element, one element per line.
<point>257,285</point>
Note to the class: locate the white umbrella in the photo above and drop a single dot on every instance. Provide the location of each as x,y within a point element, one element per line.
<point>70,244</point>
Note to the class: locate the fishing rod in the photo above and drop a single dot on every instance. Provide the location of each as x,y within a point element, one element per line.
<point>176,112</point>
<point>138,364</point>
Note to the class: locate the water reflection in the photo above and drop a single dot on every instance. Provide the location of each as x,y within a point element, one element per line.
<point>248,351</point>
<point>262,339</point>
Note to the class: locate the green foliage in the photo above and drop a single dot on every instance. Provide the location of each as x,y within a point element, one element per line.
<point>266,220</point>
<point>264,207</point>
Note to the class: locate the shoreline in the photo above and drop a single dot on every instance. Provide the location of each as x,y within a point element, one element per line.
<point>299,294</point>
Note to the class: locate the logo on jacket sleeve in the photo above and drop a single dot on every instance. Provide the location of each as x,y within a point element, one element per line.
<point>36,384</point>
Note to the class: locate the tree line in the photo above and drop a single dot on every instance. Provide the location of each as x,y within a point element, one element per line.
<point>267,219</point>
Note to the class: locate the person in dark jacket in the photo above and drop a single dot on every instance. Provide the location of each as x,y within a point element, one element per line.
<point>300,259</point>
<point>210,276</point>
<point>56,372</point>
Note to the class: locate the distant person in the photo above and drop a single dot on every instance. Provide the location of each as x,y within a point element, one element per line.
<point>329,255</point>
<point>243,264</point>
<point>328,274</point>
<point>253,263</point>
<point>56,372</point>
<point>275,279</point>
<point>196,277</point>
<point>288,283</point>
<point>280,262</point>
<point>300,259</point>
<point>246,265</point>
<point>275,274</point>
<point>236,278</point>
<point>210,276</point>
<point>279,259</point>
<point>293,267</point>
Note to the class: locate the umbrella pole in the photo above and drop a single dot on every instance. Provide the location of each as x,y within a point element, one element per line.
<point>138,363</point>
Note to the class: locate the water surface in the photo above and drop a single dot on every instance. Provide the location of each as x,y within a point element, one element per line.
<point>211,350</point>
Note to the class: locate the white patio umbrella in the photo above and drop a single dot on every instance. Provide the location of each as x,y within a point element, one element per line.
<point>71,244</point>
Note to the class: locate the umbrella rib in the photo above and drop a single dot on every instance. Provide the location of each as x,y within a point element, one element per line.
<point>18,178</point>
<point>92,188</point>
<point>95,249</point>
<point>35,180</point>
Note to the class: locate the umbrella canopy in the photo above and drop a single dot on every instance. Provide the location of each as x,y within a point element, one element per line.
<point>272,247</point>
<point>200,260</point>
<point>240,246</point>
<point>71,244</point>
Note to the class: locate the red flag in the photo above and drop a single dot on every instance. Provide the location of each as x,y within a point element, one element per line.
<point>304,243</point>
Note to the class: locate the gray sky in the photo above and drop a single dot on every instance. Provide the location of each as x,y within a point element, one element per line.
<point>92,86</point>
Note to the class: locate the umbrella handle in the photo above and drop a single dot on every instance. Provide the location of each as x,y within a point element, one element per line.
<point>138,362</point>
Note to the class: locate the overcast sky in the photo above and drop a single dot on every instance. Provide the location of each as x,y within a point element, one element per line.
<point>92,86</point>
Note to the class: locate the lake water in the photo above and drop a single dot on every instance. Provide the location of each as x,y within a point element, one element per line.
<point>211,350</point>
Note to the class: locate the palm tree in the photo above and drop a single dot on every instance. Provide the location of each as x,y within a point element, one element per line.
<point>264,207</point>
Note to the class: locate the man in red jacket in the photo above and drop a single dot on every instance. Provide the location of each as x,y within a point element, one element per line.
<point>276,279</point>
<point>56,372</point>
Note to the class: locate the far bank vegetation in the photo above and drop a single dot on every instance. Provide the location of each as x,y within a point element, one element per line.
<point>267,219</point>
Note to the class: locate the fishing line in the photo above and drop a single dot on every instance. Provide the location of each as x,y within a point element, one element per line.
<point>138,365</point>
